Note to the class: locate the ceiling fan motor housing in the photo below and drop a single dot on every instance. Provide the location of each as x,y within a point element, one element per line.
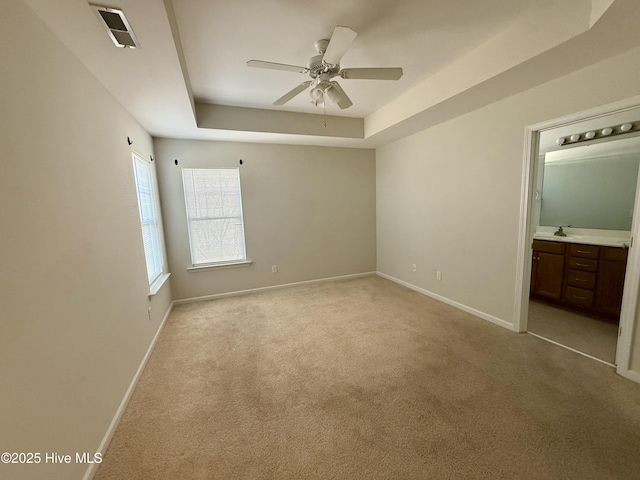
<point>316,67</point>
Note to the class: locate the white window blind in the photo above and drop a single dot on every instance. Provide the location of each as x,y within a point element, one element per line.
<point>147,203</point>
<point>214,214</point>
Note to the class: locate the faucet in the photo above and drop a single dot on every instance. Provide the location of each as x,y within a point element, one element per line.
<point>560,233</point>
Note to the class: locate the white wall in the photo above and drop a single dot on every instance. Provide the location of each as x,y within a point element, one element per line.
<point>448,198</point>
<point>308,210</point>
<point>73,286</point>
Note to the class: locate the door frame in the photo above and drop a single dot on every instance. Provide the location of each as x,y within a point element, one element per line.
<point>526,230</point>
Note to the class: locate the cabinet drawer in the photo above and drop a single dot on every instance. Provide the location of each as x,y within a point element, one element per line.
<point>579,296</point>
<point>613,253</point>
<point>548,247</point>
<point>586,264</point>
<point>581,279</point>
<point>584,251</point>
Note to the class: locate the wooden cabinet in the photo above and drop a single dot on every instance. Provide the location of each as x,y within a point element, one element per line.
<point>611,277</point>
<point>588,278</point>
<point>548,269</point>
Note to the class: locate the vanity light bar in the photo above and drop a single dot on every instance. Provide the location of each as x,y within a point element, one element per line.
<point>600,133</point>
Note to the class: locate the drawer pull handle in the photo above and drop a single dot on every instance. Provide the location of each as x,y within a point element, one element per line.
<point>579,279</point>
<point>579,298</point>
<point>584,251</point>
<point>582,264</point>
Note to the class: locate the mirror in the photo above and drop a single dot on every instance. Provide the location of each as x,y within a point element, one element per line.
<point>591,186</point>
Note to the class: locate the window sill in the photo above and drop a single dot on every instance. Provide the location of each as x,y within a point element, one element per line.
<point>155,286</point>
<point>219,266</point>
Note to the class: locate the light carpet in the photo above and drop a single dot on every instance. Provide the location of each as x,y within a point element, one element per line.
<point>365,379</point>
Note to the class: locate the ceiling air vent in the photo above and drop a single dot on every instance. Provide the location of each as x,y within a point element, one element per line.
<point>117,26</point>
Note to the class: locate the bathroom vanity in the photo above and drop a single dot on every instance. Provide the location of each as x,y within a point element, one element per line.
<point>589,190</point>
<point>586,277</point>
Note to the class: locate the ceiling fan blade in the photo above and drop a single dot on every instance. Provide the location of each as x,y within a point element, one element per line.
<point>289,95</point>
<point>337,95</point>
<point>341,40</point>
<point>277,66</point>
<point>372,73</point>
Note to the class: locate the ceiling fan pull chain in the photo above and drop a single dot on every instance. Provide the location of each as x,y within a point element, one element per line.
<point>324,113</point>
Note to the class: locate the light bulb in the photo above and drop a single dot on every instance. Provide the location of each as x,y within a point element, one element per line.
<point>607,131</point>
<point>317,95</point>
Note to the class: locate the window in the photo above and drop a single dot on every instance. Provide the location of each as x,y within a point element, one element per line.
<point>214,215</point>
<point>149,219</point>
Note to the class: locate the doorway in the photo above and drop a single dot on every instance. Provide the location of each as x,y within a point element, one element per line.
<point>584,203</point>
<point>614,345</point>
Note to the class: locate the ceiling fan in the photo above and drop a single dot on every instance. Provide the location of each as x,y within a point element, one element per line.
<point>326,65</point>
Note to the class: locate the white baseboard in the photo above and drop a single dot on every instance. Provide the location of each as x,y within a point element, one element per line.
<point>272,287</point>
<point>460,306</point>
<point>93,468</point>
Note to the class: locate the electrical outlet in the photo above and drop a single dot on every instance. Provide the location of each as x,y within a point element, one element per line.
<point>438,275</point>
<point>415,267</point>
<point>274,269</point>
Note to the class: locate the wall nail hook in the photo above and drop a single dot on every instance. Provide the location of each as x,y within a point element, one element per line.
<point>151,157</point>
<point>176,161</point>
<point>129,141</point>
<point>240,161</point>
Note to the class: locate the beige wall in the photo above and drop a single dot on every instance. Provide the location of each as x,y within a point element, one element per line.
<point>308,210</point>
<point>73,288</point>
<point>448,198</point>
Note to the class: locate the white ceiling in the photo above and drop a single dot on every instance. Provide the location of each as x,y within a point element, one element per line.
<point>196,51</point>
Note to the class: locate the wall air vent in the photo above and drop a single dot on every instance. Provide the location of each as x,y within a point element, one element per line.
<point>117,26</point>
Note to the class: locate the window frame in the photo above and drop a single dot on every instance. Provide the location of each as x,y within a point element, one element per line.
<point>221,264</point>
<point>157,256</point>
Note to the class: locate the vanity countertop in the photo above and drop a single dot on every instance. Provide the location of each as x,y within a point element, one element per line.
<point>584,239</point>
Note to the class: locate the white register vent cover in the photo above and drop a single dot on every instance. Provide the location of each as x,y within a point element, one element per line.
<point>117,26</point>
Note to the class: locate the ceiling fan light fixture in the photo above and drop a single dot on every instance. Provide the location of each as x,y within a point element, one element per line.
<point>338,96</point>
<point>334,95</point>
<point>317,94</point>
